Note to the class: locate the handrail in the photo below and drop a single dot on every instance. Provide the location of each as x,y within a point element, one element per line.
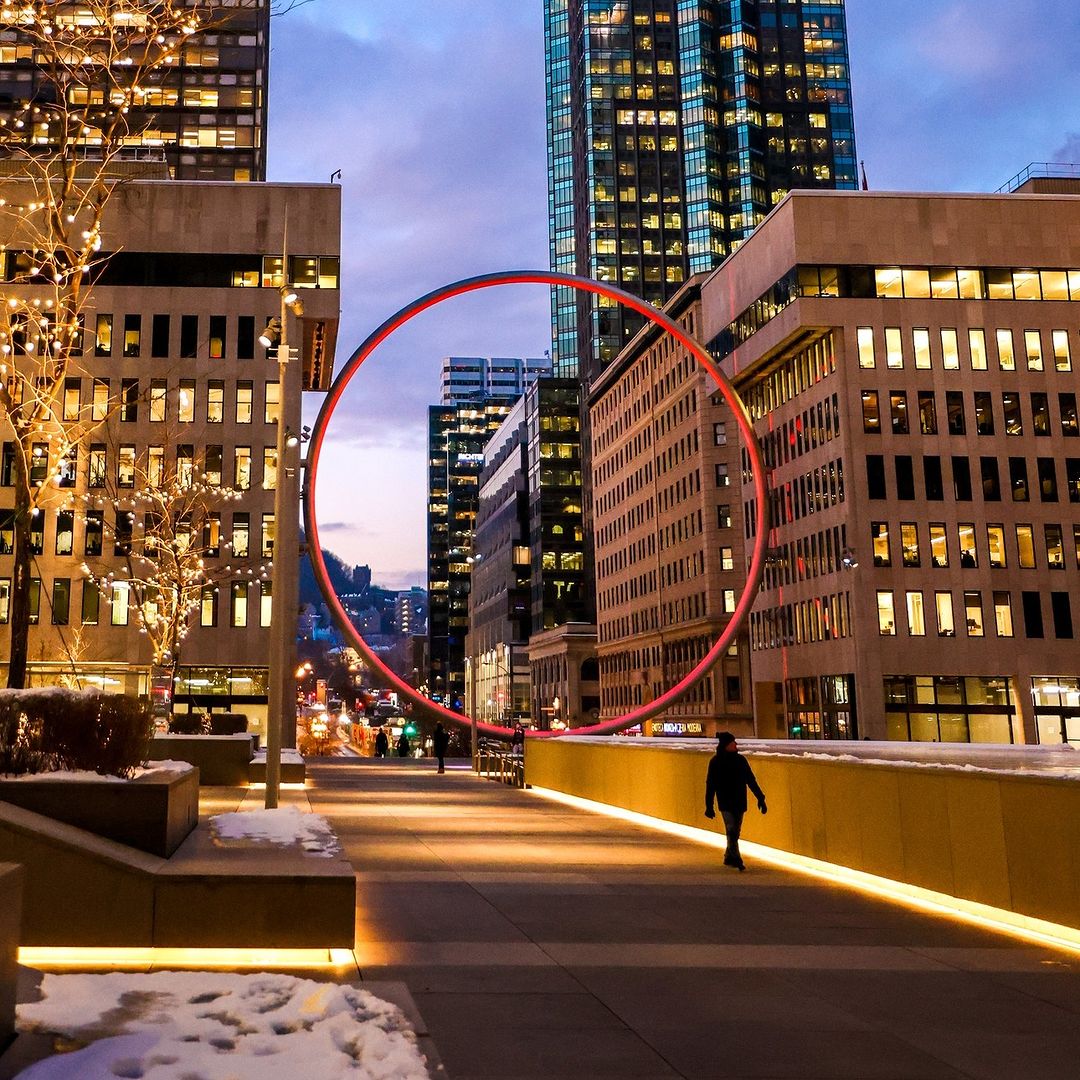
<point>501,766</point>
<point>1050,170</point>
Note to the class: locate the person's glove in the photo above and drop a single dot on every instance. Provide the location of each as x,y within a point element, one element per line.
<point>709,812</point>
<point>762,807</point>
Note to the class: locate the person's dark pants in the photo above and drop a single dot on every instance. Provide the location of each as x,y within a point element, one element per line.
<point>732,826</point>
<point>442,763</point>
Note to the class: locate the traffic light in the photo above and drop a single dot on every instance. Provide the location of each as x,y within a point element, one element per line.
<point>410,729</point>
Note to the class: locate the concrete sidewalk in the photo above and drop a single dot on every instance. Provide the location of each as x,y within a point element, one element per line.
<point>542,941</point>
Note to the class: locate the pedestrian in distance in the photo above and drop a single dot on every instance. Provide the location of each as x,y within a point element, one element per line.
<point>439,741</point>
<point>382,744</point>
<point>728,778</point>
<point>517,741</point>
<point>403,745</point>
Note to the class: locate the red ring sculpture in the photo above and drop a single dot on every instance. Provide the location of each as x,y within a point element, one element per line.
<point>654,315</point>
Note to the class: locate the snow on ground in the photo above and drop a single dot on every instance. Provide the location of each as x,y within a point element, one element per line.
<point>69,776</point>
<point>219,1026</point>
<point>285,825</point>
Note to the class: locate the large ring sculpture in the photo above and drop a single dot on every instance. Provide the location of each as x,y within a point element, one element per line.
<point>654,315</point>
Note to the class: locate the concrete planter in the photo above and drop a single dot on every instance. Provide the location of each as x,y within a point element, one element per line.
<point>153,813</point>
<point>293,769</point>
<point>11,879</point>
<point>222,760</point>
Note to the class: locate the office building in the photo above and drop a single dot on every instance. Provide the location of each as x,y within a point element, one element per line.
<point>673,128</point>
<point>172,381</point>
<point>203,112</point>
<point>908,361</point>
<point>477,378</point>
<point>670,560</point>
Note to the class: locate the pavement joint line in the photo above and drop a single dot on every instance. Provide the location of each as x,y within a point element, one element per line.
<point>999,920</point>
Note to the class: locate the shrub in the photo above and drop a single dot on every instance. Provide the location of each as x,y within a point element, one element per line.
<point>83,730</point>
<point>192,723</point>
<point>223,723</point>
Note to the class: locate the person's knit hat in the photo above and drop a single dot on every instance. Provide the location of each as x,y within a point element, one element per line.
<point>724,739</point>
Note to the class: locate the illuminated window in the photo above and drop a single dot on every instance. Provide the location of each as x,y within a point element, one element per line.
<point>272,409</point>
<point>944,607</point>
<point>939,547</point>
<point>977,348</point>
<point>155,466</point>
<point>185,404</point>
<point>1006,352</point>
<point>121,591</point>
<point>950,350</point>
<point>909,543</point>
<point>267,546</point>
<point>266,604</point>
<point>886,614</point>
<point>72,392</point>
<point>125,467</point>
<point>239,603</point>
<point>915,614</point>
<point>269,481</point>
<point>1062,359</point>
<point>973,614</point>
<point>1003,614</point>
<point>241,537</point>
<point>879,536</point>
<point>921,342</point>
<point>242,468</point>
<point>866,346</point>
<point>99,407</point>
<point>159,392</point>
<point>894,347</point>
<point>243,402</point>
<point>1033,348</point>
<point>215,402</point>
<point>1025,547</point>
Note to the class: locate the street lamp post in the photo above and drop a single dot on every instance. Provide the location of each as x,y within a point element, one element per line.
<point>278,332</point>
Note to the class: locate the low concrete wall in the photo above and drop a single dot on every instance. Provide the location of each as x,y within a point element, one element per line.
<point>222,760</point>
<point>154,813</point>
<point>293,769</point>
<point>83,890</point>
<point>10,921</point>
<point>1003,839</point>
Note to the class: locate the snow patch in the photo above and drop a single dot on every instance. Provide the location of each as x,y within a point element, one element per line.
<point>286,825</point>
<point>219,1026</point>
<point>71,776</point>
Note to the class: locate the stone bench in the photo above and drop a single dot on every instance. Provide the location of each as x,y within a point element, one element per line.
<point>222,760</point>
<point>293,770</point>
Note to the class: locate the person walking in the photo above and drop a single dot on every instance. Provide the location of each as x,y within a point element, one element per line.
<point>440,741</point>
<point>728,778</point>
<point>382,743</point>
<point>403,745</point>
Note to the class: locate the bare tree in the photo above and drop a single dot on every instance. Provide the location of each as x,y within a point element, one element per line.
<point>102,66</point>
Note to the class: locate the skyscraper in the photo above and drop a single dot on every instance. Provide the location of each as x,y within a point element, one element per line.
<point>673,128</point>
<point>203,113</point>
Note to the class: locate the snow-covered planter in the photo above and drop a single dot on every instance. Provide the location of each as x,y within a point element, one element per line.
<point>50,728</point>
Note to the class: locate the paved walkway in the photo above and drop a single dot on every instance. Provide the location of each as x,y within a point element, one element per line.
<point>538,940</point>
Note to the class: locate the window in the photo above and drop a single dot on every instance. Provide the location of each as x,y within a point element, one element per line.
<point>939,548</point>
<point>132,335</point>
<point>245,337</point>
<point>961,472</point>
<point>723,516</point>
<point>1055,547</point>
<point>1048,491</point>
<point>120,597</point>
<point>932,478</point>
<point>984,413</point>
<point>865,336</point>
<point>39,464</point>
<point>5,599</point>
<point>875,476</point>
<point>211,535</point>
<point>215,402</point>
<point>241,537</point>
<point>1062,359</point>
<point>159,394</point>
<point>886,615</point>
<point>185,465</point>
<point>266,604</point>
<point>1033,348</point>
<point>1006,352</point>
<point>91,602</point>
<point>155,466</point>
<point>973,614</point>
<point>125,467</point>
<point>909,543</point>
<point>1018,480</point>
<point>69,468</point>
<point>65,531</point>
<point>208,606</point>
<point>879,539</point>
<point>927,412</point>
<point>217,337</point>
<point>1067,407</point>
<point>729,601</point>
<point>189,336</point>
<point>267,547</point>
<point>269,481</point>
<point>943,605</point>
<point>61,601</point>
<point>243,402</point>
<point>905,478</point>
<point>125,520</point>
<point>916,617</point>
<point>1025,547</point>
<point>212,465</point>
<point>103,346</point>
<point>722,477</point>
<point>99,405</point>
<point>977,347</point>
<point>1061,609</point>
<point>185,404</point>
<point>7,532</point>
<point>894,347</point>
<point>920,340</point>
<point>995,543</point>
<point>898,412</point>
<point>159,337</point>
<point>238,605</point>
<point>727,560</point>
<point>954,408</point>
<point>242,468</point>
<point>95,530</point>
<point>871,413</point>
<point>72,394</point>
<point>1072,478</point>
<point>129,401</point>
<point>965,532</point>
<point>272,408</point>
<point>1003,614</point>
<point>950,350</point>
<point>719,431</point>
<point>1033,620</point>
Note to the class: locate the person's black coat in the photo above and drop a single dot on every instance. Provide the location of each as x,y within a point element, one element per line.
<point>382,744</point>
<point>728,778</point>
<point>403,745</point>
<point>440,740</point>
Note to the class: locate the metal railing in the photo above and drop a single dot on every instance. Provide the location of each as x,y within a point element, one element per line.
<point>501,766</point>
<point>1041,170</point>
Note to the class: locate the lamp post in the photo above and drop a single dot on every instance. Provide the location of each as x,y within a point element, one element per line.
<point>277,332</point>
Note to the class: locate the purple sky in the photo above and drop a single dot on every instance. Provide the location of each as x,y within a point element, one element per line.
<point>434,112</point>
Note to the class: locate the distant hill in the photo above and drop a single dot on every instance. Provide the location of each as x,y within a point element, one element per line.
<point>344,578</point>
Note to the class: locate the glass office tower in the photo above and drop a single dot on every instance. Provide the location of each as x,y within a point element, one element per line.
<point>674,126</point>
